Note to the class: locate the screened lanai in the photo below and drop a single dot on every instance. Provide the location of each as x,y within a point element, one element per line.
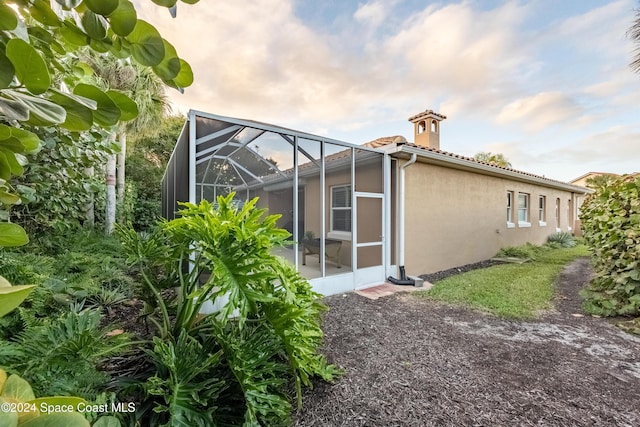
<point>333,197</point>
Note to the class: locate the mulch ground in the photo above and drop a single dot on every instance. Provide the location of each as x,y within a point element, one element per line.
<point>415,362</point>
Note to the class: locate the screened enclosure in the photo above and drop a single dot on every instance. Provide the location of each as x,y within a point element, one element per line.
<point>333,197</point>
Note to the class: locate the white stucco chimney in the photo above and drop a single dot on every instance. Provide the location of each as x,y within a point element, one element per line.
<point>426,128</point>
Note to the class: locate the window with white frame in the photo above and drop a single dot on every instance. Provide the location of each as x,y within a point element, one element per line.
<point>542,210</point>
<point>341,209</point>
<point>523,209</point>
<point>510,209</point>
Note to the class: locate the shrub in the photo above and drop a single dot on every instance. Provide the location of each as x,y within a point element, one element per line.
<point>611,224</point>
<point>526,251</point>
<point>561,239</point>
<point>263,334</point>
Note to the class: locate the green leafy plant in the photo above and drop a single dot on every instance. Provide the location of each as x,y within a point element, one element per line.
<point>17,393</point>
<point>561,239</point>
<point>61,356</point>
<point>43,84</point>
<point>611,224</point>
<point>12,296</point>
<point>264,320</point>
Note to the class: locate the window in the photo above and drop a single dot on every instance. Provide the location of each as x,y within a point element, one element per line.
<point>434,126</point>
<point>422,126</point>
<point>558,214</point>
<point>523,210</point>
<point>341,208</point>
<point>542,207</point>
<point>510,209</point>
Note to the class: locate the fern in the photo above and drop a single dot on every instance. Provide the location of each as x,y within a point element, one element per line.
<point>61,356</point>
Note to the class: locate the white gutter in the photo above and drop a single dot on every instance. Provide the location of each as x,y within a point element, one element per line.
<point>411,161</point>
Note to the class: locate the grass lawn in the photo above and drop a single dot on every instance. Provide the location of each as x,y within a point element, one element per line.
<point>510,290</point>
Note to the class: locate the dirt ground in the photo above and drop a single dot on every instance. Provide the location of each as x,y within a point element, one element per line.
<point>414,362</point>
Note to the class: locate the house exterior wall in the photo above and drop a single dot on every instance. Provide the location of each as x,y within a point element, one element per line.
<point>455,217</point>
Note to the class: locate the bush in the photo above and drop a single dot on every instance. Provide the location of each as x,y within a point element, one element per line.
<point>561,239</point>
<point>235,364</point>
<point>611,224</point>
<point>526,251</point>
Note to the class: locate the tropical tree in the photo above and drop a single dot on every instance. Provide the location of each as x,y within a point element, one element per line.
<point>42,82</point>
<point>147,91</point>
<point>634,35</point>
<point>497,159</point>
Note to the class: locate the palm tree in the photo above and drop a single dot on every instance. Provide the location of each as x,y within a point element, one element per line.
<point>493,159</point>
<point>147,91</point>
<point>634,35</point>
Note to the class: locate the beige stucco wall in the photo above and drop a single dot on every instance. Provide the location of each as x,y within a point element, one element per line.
<point>456,217</point>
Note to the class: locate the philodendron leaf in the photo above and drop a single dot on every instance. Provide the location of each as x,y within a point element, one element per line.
<point>11,235</point>
<point>8,18</point>
<point>15,387</point>
<point>11,297</point>
<point>8,419</point>
<point>128,108</point>
<point>107,113</point>
<point>147,46</point>
<point>29,66</point>
<point>107,421</point>
<point>124,18</point>
<point>71,419</point>
<point>102,7</point>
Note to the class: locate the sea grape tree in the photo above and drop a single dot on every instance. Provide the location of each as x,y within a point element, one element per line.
<point>43,83</point>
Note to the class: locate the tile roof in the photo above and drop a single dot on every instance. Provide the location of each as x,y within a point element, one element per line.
<point>445,154</point>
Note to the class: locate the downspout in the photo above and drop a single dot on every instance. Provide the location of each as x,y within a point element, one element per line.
<point>403,280</point>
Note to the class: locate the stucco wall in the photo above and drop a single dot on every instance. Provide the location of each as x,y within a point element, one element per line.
<point>456,217</point>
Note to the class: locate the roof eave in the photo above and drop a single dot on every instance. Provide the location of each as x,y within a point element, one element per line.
<point>462,164</point>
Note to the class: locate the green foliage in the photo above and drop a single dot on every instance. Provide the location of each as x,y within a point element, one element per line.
<point>611,223</point>
<point>185,381</point>
<point>12,296</point>
<point>43,83</point>
<point>509,290</point>
<point>561,239</point>
<point>264,322</point>
<point>61,355</point>
<point>497,159</point>
<point>55,184</point>
<point>526,251</point>
<point>15,390</point>
<point>147,157</point>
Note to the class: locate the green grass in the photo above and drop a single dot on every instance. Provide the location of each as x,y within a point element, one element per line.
<point>516,291</point>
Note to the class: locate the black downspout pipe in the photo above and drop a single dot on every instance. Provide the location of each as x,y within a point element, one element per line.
<point>403,280</point>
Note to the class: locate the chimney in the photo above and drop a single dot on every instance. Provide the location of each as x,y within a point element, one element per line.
<point>427,129</point>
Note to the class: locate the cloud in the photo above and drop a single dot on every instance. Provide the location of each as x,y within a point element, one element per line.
<point>259,59</point>
<point>374,12</point>
<point>540,111</point>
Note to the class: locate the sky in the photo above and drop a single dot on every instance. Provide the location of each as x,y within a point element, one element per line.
<point>547,83</point>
